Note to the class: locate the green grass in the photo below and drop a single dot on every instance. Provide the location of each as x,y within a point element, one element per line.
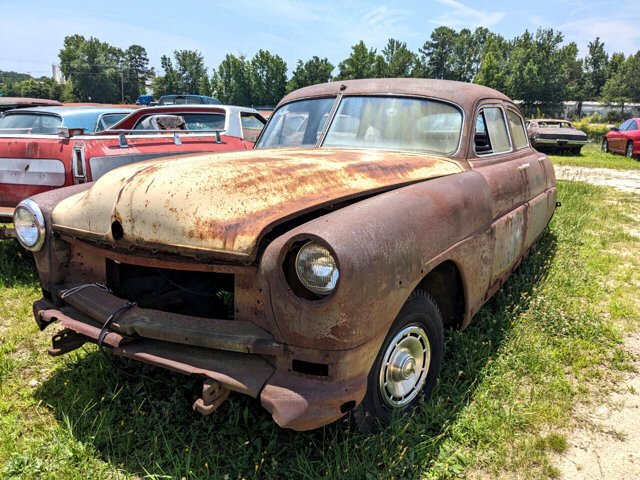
<point>593,156</point>
<point>500,408</point>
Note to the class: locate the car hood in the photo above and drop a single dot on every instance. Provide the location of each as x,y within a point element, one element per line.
<point>222,204</point>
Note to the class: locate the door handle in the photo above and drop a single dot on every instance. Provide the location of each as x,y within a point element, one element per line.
<point>524,166</point>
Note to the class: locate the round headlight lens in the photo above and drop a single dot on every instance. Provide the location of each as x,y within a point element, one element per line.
<point>29,224</point>
<point>317,269</point>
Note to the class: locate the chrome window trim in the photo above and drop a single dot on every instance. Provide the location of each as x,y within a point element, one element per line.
<point>494,154</point>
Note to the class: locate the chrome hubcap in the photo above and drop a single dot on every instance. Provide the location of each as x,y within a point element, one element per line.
<point>404,367</point>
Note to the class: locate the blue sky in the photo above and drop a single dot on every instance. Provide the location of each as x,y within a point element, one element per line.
<point>32,31</point>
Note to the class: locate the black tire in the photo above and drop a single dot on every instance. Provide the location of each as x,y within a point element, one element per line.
<point>629,150</point>
<point>418,320</point>
<point>605,146</point>
<point>576,150</point>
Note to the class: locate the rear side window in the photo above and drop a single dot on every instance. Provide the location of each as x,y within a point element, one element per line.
<point>517,130</point>
<point>252,125</point>
<point>491,134</point>
<point>31,122</point>
<point>109,119</point>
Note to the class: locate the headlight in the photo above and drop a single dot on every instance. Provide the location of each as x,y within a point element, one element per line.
<point>29,224</point>
<point>317,269</point>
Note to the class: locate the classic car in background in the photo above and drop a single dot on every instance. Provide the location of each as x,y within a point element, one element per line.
<point>555,134</point>
<point>47,120</point>
<point>241,122</point>
<point>188,100</point>
<point>31,164</point>
<point>9,103</point>
<point>624,139</point>
<point>315,272</point>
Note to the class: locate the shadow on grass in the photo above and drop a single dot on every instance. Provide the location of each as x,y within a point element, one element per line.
<point>17,267</point>
<point>144,425</point>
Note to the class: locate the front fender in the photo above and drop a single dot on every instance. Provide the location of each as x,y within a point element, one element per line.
<point>384,246</point>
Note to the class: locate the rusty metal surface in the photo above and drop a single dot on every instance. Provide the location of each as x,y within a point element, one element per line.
<point>224,203</point>
<point>457,92</point>
<point>236,336</point>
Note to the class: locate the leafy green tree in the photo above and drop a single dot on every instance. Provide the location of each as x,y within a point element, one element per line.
<point>311,72</point>
<point>437,53</point>
<point>362,63</point>
<point>192,73</point>
<point>232,81</point>
<point>400,61</point>
<point>493,69</point>
<point>575,87</point>
<point>536,71</point>
<point>93,67</point>
<point>168,83</point>
<point>623,86</point>
<point>136,72</point>
<point>268,78</point>
<point>596,65</point>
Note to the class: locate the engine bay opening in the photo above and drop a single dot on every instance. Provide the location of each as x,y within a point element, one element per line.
<point>200,294</point>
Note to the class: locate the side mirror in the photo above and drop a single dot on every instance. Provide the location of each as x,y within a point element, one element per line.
<point>614,129</point>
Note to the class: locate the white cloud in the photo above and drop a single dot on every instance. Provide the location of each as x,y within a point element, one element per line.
<point>618,34</point>
<point>460,15</point>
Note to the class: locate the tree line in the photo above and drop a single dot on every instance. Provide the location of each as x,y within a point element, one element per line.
<point>536,68</point>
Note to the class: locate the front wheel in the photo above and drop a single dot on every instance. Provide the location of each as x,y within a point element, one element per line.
<point>629,150</point>
<point>407,365</point>
<point>605,146</point>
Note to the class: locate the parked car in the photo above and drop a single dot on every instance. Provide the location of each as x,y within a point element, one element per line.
<point>624,139</point>
<point>9,103</point>
<point>242,122</point>
<point>315,272</point>
<point>187,100</point>
<point>47,120</point>
<point>144,100</point>
<point>552,134</point>
<point>30,165</point>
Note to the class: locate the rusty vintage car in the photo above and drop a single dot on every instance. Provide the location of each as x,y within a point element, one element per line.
<point>555,135</point>
<point>315,272</point>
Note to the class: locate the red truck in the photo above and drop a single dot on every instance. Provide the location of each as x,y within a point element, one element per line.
<point>35,163</point>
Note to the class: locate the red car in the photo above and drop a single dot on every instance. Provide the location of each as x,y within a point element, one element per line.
<point>32,164</point>
<point>624,139</point>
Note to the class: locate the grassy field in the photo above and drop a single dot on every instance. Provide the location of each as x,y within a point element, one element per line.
<point>593,156</point>
<point>503,399</point>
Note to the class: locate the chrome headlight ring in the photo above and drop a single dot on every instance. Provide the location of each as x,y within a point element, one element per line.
<point>316,268</point>
<point>29,224</point>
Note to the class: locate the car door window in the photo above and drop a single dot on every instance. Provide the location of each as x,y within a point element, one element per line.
<point>517,130</point>
<point>632,126</point>
<point>623,126</point>
<point>491,134</point>
<point>252,125</point>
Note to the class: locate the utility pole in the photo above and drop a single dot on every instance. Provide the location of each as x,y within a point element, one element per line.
<point>122,84</point>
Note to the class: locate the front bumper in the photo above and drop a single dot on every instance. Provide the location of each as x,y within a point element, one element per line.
<point>239,355</point>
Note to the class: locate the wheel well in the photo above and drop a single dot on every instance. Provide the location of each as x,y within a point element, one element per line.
<point>444,285</point>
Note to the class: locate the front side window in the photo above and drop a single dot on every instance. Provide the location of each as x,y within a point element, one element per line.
<point>491,134</point>
<point>109,119</point>
<point>517,130</point>
<point>632,126</point>
<point>252,125</point>
<point>624,125</point>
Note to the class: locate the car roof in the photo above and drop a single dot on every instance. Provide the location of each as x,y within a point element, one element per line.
<point>460,93</point>
<point>549,120</point>
<point>24,101</point>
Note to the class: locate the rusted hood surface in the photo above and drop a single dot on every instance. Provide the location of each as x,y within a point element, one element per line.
<point>222,204</point>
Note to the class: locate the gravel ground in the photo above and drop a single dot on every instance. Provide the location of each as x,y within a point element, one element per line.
<point>625,180</point>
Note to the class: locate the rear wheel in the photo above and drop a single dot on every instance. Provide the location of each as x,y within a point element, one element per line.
<point>629,150</point>
<point>605,146</point>
<point>407,365</point>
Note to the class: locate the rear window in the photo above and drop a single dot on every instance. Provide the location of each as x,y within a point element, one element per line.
<point>517,130</point>
<point>196,121</point>
<point>31,122</point>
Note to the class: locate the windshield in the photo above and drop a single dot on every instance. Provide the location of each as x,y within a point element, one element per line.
<point>394,123</point>
<point>31,122</point>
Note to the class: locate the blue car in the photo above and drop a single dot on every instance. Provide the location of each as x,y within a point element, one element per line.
<point>46,120</point>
